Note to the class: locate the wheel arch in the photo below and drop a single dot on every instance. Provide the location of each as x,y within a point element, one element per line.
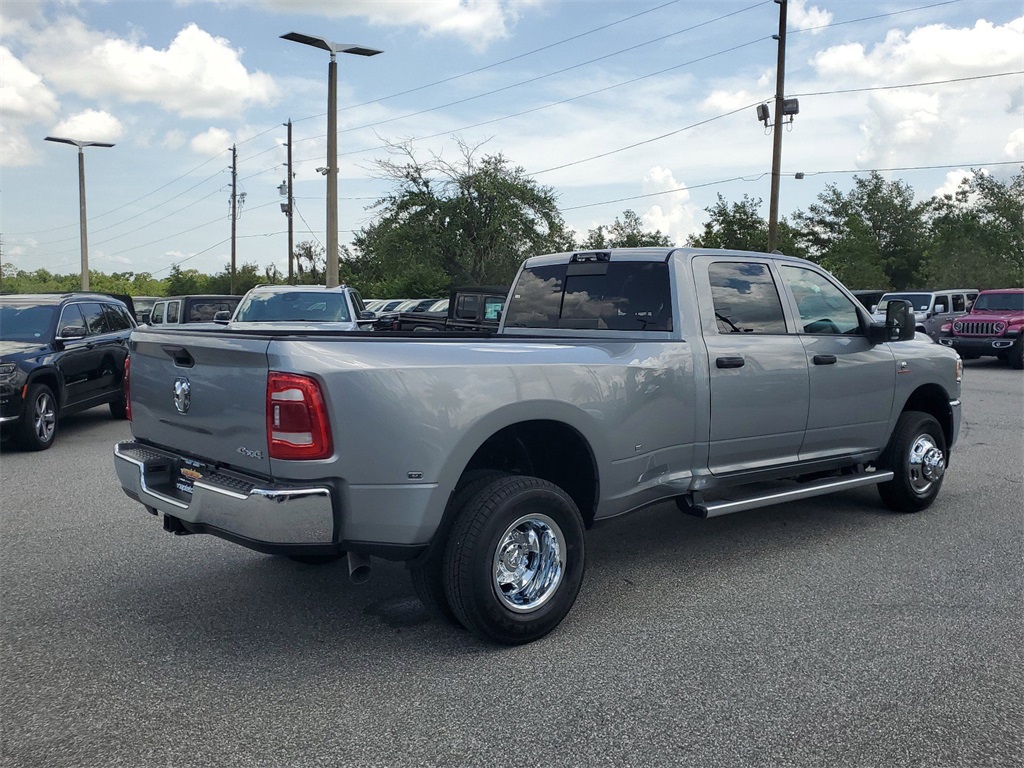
<point>51,378</point>
<point>549,449</point>
<point>552,440</point>
<point>933,400</point>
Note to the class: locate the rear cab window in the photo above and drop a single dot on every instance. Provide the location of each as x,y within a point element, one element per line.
<point>593,292</point>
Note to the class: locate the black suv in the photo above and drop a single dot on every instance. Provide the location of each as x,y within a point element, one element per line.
<point>59,353</point>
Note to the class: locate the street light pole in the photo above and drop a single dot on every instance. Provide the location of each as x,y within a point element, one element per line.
<point>81,199</point>
<point>332,138</point>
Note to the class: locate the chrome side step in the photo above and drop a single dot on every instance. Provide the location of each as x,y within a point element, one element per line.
<point>694,504</point>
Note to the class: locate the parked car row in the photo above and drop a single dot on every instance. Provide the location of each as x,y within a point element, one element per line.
<point>931,308</point>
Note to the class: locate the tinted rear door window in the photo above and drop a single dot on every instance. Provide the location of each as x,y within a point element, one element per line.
<point>746,299</point>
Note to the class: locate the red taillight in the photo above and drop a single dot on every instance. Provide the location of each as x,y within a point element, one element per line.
<point>127,388</point>
<point>297,426</point>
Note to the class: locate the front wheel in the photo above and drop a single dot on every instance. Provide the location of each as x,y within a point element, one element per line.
<point>917,455</point>
<point>39,419</point>
<point>1017,354</point>
<point>515,560</point>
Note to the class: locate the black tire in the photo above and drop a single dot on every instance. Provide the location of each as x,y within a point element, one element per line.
<point>428,574</point>
<point>119,408</point>
<point>1016,358</point>
<point>39,418</point>
<point>917,455</point>
<point>515,526</point>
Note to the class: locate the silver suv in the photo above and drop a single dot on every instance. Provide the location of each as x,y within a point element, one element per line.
<point>303,307</point>
<point>931,308</point>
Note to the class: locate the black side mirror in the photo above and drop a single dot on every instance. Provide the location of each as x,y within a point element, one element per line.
<point>69,332</point>
<point>898,325</point>
<point>367,315</point>
<point>899,321</point>
<point>222,317</point>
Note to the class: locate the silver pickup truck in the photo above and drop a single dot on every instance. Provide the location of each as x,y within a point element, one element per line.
<point>722,380</point>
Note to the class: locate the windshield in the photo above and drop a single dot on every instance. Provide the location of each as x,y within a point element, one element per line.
<point>293,307</point>
<point>25,323</point>
<point>999,302</point>
<point>919,301</point>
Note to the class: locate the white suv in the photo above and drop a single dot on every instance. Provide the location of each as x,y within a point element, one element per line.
<point>931,308</point>
<point>301,308</point>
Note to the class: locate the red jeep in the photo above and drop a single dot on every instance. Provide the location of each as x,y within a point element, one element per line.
<point>994,326</point>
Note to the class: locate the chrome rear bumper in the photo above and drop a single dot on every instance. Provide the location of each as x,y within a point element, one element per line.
<point>228,502</point>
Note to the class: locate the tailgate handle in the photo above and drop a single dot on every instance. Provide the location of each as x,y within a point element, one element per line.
<point>180,356</point>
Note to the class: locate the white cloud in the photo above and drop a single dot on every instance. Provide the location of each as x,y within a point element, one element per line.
<point>1014,148</point>
<point>676,216</point>
<point>929,53</point>
<point>211,141</point>
<point>24,99</point>
<point>952,183</point>
<point>477,22</point>
<point>197,75</point>
<point>799,16</point>
<point>918,123</point>
<point>90,125</point>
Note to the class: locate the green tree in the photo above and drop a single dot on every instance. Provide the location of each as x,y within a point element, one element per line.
<point>875,226</point>
<point>467,222</point>
<point>977,235</point>
<point>310,263</point>
<point>185,281</point>
<point>739,226</point>
<point>627,232</point>
<point>246,277</point>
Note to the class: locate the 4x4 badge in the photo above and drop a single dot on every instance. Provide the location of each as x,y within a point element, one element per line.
<point>182,394</point>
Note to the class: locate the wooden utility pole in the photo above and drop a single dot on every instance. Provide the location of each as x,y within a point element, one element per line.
<point>780,87</point>
<point>234,211</point>
<point>290,212</point>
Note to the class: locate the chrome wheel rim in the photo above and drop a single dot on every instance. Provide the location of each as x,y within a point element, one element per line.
<point>528,563</point>
<point>44,417</point>
<point>926,465</point>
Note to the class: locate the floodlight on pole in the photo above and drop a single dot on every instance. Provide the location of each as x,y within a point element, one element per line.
<point>331,169</point>
<point>81,198</point>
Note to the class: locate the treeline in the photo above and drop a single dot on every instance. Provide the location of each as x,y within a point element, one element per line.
<point>472,222</point>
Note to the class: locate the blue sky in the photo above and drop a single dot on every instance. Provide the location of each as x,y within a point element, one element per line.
<point>647,105</point>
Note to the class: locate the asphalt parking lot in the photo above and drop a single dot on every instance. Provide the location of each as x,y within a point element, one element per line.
<point>821,633</point>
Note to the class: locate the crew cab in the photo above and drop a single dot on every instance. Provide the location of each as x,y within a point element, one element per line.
<point>994,327</point>
<point>722,380</point>
<point>59,353</point>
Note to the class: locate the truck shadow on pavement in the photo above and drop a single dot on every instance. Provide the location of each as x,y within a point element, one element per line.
<point>212,592</point>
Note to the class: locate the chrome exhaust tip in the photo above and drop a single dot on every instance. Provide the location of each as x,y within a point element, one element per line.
<point>358,567</point>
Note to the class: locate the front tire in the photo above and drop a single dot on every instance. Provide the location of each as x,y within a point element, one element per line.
<point>39,419</point>
<point>515,560</point>
<point>917,455</point>
<point>119,408</point>
<point>1016,359</point>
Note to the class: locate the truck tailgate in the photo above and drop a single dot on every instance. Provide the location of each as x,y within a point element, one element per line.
<point>202,393</point>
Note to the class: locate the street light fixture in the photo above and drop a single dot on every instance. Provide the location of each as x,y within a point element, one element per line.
<point>331,171</point>
<point>81,198</point>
